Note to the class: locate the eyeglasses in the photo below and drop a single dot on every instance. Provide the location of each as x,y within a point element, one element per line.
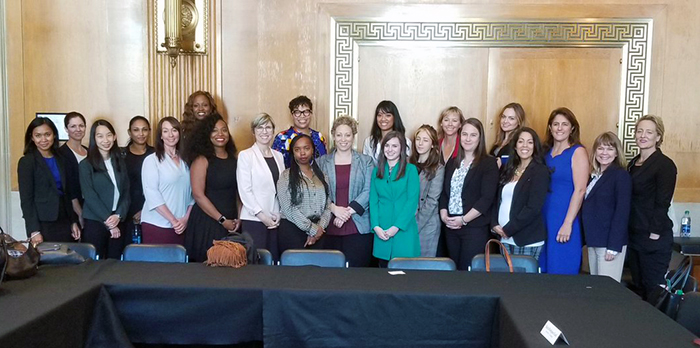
<point>306,113</point>
<point>264,128</point>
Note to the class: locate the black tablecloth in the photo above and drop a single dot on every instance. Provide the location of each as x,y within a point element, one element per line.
<point>314,307</point>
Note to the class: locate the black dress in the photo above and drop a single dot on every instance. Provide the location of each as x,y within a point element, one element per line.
<point>222,191</point>
<point>134,163</point>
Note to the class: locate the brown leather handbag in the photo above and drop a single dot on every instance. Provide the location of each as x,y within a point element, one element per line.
<point>504,252</point>
<point>19,261</point>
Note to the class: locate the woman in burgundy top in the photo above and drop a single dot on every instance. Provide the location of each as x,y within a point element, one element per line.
<point>349,174</point>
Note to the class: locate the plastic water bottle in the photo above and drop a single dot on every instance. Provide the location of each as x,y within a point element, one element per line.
<point>685,225</point>
<point>136,235</point>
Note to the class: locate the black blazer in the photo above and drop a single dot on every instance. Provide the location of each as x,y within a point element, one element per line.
<point>98,190</point>
<point>605,212</point>
<point>653,185</point>
<point>72,171</point>
<point>479,189</point>
<point>526,224</point>
<point>39,196</point>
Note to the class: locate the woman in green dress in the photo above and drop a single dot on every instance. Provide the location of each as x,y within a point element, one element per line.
<point>394,195</point>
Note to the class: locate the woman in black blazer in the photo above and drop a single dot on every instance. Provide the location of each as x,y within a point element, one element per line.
<point>73,152</point>
<point>43,189</point>
<point>524,182</point>
<point>105,184</point>
<point>606,208</point>
<point>471,180</point>
<point>650,229</point>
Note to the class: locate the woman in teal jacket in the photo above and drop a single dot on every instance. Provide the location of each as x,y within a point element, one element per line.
<point>394,195</point>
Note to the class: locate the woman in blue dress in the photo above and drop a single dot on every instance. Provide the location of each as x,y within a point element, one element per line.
<point>568,160</point>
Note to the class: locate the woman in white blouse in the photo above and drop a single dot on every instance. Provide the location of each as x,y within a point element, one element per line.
<point>386,119</point>
<point>258,170</point>
<point>166,187</point>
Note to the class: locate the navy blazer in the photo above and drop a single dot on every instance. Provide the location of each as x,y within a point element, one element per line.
<point>98,190</point>
<point>606,209</point>
<point>526,224</point>
<point>478,192</point>
<point>39,196</point>
<point>653,184</point>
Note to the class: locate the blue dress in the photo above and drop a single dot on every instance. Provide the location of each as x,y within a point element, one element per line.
<point>560,258</point>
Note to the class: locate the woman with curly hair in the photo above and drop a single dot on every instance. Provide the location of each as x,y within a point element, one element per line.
<point>212,155</point>
<point>200,104</point>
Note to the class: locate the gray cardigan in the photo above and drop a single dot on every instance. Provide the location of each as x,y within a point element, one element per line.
<point>428,217</point>
<point>360,179</point>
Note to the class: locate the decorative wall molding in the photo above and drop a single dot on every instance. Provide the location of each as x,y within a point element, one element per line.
<point>632,36</point>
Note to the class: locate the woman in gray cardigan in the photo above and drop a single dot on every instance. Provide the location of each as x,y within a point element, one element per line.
<point>426,157</point>
<point>105,185</point>
<point>349,174</point>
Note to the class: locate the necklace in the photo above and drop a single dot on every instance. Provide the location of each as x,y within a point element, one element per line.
<point>519,171</point>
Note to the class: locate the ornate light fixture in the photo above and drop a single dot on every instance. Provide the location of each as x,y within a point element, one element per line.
<point>181,27</point>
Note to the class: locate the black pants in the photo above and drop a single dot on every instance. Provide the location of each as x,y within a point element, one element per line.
<point>648,269</point>
<point>291,237</point>
<point>356,247</point>
<point>262,237</point>
<point>465,243</point>
<point>57,231</point>
<point>98,235</point>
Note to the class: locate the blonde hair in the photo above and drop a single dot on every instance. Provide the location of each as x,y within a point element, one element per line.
<point>443,114</point>
<point>607,139</point>
<point>659,126</point>
<point>345,121</point>
<point>261,119</point>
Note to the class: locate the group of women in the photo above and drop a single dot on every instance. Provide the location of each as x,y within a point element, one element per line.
<point>436,192</point>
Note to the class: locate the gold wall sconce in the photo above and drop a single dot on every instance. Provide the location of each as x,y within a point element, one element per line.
<point>181,27</point>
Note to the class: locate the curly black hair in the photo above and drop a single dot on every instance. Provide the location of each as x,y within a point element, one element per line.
<point>296,177</point>
<point>199,141</point>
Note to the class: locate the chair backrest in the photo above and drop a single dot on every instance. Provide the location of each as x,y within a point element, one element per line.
<point>85,250</point>
<point>426,263</point>
<point>265,257</point>
<point>321,258</point>
<point>521,264</point>
<point>689,312</point>
<point>155,253</point>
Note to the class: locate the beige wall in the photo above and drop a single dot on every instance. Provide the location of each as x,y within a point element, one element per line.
<point>91,56</point>
<point>66,55</point>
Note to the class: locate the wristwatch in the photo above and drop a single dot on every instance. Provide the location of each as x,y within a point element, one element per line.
<point>222,219</point>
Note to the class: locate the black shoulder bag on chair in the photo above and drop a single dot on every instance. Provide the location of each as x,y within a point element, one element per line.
<point>668,298</point>
<point>19,261</point>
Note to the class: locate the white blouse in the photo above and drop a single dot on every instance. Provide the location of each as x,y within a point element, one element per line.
<point>165,183</point>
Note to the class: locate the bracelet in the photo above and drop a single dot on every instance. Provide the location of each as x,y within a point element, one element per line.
<point>464,223</point>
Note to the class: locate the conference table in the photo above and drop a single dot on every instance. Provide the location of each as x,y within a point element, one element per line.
<point>114,304</point>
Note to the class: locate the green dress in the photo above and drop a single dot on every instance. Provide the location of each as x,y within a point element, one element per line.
<point>394,203</point>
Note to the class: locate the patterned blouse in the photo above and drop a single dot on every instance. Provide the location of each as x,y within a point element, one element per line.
<point>284,139</point>
<point>313,209</point>
<point>456,185</point>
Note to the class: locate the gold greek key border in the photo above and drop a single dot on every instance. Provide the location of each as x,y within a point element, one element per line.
<point>634,37</point>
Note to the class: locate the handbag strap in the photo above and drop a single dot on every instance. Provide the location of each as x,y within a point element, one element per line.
<point>681,274</point>
<point>504,252</point>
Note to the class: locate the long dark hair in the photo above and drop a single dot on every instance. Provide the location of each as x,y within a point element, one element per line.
<point>402,156</point>
<point>514,160</point>
<point>388,107</point>
<point>188,117</point>
<point>430,166</point>
<point>199,142</point>
<point>94,157</point>
<point>29,145</point>
<point>295,175</point>
<point>480,151</point>
<point>160,146</point>
<point>574,137</point>
<point>131,123</point>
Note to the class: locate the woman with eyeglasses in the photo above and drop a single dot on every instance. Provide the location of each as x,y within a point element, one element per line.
<point>259,168</point>
<point>301,109</point>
